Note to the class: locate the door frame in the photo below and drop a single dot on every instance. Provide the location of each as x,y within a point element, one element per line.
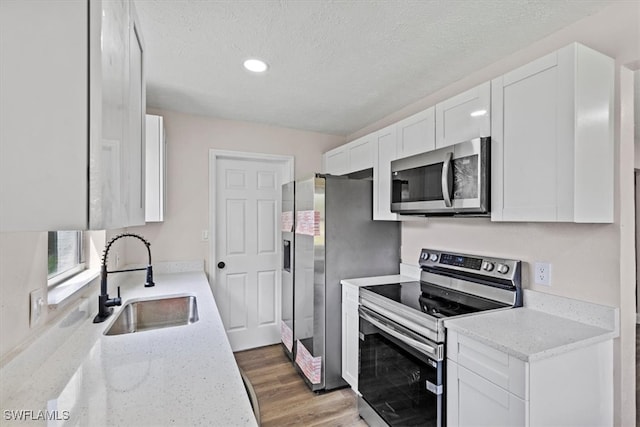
<point>287,163</point>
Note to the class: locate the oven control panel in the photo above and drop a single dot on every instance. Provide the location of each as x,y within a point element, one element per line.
<point>484,266</point>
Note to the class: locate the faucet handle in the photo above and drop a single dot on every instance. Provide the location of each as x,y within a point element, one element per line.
<point>118,300</point>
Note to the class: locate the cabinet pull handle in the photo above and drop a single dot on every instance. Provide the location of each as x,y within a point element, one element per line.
<point>421,347</point>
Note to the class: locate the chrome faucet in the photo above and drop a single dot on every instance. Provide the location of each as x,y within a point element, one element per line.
<point>105,304</point>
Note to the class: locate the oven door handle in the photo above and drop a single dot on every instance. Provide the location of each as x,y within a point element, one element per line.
<point>447,179</point>
<point>420,346</point>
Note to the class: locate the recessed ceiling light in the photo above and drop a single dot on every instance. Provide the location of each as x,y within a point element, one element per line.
<point>255,65</point>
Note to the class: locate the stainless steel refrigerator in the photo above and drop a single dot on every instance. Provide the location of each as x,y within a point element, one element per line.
<point>335,238</point>
<point>288,271</point>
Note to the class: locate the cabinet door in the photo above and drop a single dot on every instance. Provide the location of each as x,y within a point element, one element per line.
<point>416,134</point>
<point>463,117</point>
<point>43,123</point>
<point>552,157</point>
<point>350,332</point>
<point>336,161</point>
<point>385,153</point>
<point>361,154</point>
<point>475,401</point>
<point>155,169</point>
<point>108,179</point>
<point>137,124</point>
<point>524,173</point>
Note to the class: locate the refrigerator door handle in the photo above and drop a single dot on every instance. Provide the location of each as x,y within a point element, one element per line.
<point>286,255</point>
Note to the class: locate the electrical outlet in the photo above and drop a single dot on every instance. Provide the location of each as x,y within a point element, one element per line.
<point>205,235</point>
<point>542,273</point>
<point>36,307</point>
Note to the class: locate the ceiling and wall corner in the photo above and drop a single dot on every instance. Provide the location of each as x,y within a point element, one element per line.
<point>335,67</point>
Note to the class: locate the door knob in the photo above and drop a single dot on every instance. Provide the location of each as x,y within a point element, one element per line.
<point>221,264</point>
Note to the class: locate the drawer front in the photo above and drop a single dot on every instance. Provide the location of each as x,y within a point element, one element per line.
<point>498,367</point>
<point>473,400</point>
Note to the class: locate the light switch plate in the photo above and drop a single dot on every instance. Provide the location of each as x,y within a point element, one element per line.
<point>36,307</point>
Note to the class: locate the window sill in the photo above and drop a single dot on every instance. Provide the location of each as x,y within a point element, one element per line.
<point>69,287</point>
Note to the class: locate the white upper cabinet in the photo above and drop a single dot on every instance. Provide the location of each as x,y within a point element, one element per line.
<point>464,117</point>
<point>137,124</point>
<point>43,110</point>
<point>60,121</point>
<point>416,134</point>
<point>352,157</point>
<point>385,141</point>
<point>155,171</point>
<point>336,161</point>
<point>552,139</point>
<point>361,153</point>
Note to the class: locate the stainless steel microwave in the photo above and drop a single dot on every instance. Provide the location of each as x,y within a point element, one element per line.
<point>452,180</point>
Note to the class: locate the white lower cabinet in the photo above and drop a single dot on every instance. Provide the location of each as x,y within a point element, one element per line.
<point>477,401</point>
<point>350,330</point>
<point>487,387</point>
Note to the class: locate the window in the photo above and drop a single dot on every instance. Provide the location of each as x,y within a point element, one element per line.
<point>66,255</point>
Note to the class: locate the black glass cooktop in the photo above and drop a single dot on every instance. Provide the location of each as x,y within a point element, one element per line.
<point>434,300</point>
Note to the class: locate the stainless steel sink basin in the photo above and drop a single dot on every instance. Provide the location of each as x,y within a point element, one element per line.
<point>159,313</point>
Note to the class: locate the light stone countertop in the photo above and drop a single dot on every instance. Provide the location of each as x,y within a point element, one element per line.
<point>529,334</point>
<point>183,375</point>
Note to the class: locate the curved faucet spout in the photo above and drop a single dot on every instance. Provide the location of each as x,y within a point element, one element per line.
<point>105,254</point>
<point>105,304</point>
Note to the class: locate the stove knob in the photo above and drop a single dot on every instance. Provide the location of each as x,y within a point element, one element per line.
<point>433,257</point>
<point>487,266</point>
<point>425,255</point>
<point>503,268</point>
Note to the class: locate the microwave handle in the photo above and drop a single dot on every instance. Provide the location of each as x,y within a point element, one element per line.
<point>447,179</point>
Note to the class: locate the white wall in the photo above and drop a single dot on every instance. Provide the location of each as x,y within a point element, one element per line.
<point>23,268</point>
<point>189,139</point>
<point>590,262</point>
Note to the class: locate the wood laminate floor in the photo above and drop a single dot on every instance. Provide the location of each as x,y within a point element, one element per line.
<point>284,398</point>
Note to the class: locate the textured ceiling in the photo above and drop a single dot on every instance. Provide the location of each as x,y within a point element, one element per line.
<point>335,66</point>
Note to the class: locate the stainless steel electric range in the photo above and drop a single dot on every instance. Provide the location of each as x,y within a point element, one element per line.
<point>402,336</point>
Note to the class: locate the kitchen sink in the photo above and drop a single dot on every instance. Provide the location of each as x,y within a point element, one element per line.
<point>138,316</point>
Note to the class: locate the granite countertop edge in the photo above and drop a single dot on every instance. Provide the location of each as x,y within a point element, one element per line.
<point>541,343</point>
<point>124,379</point>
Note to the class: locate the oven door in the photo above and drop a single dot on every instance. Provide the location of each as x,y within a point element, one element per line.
<point>401,375</point>
<point>450,180</point>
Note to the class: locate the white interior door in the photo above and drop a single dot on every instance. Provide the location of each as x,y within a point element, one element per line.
<point>248,250</point>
